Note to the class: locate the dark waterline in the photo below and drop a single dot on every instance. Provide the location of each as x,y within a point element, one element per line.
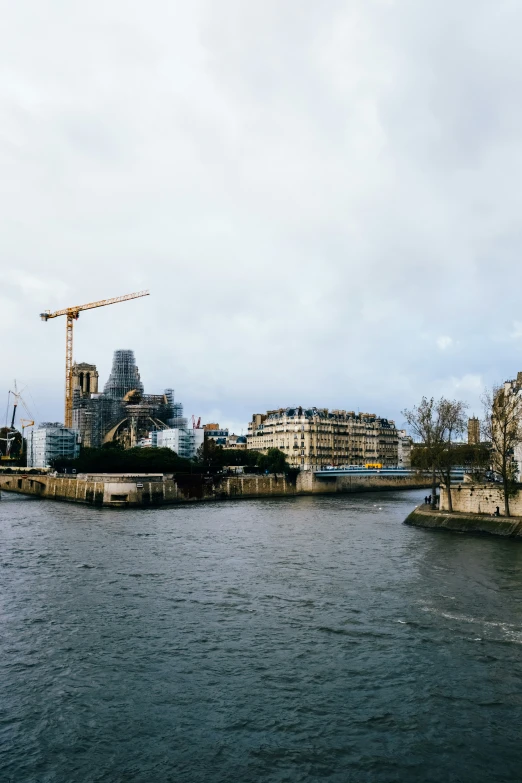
<point>281,640</point>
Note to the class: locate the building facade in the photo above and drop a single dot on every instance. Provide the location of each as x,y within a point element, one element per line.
<point>184,441</point>
<point>236,442</point>
<point>216,433</point>
<point>405,445</point>
<point>314,437</point>
<point>50,441</point>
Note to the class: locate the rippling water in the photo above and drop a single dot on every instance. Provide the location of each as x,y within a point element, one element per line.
<point>284,640</point>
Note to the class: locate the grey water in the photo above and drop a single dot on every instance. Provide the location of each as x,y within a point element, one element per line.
<point>300,639</point>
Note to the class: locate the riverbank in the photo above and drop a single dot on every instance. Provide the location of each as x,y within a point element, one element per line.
<point>458,522</point>
<point>131,491</point>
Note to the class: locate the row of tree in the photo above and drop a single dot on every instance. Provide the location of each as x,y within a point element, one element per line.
<point>210,458</point>
<point>439,424</point>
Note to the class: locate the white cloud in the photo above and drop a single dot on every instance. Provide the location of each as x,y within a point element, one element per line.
<point>444,342</point>
<point>307,189</point>
<point>468,383</point>
<point>516,334</point>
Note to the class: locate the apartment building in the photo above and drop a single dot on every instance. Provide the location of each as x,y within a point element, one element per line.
<point>314,437</point>
<point>185,441</point>
<point>405,446</point>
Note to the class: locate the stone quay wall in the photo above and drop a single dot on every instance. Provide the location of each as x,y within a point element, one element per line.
<point>468,498</point>
<point>124,490</point>
<point>310,484</point>
<point>102,491</point>
<point>458,522</point>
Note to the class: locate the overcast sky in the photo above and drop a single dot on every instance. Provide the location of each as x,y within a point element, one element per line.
<point>324,198</point>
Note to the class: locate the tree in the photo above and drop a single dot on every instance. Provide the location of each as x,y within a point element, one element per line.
<point>502,426</point>
<point>124,461</point>
<point>211,455</point>
<point>437,423</point>
<point>453,422</point>
<point>274,461</point>
<point>214,457</point>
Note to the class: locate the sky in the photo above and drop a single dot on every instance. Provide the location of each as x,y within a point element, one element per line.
<point>324,199</point>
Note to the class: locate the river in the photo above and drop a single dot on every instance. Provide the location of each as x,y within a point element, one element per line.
<point>267,640</point>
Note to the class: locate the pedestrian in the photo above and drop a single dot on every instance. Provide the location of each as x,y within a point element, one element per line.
<point>429,500</point>
<point>497,511</point>
<point>425,500</point>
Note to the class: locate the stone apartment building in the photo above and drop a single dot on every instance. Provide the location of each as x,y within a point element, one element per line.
<point>315,437</point>
<point>405,446</point>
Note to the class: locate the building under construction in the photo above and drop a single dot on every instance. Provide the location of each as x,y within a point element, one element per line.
<point>51,441</point>
<point>123,413</point>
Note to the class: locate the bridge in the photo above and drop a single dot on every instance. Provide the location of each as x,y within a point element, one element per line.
<point>457,473</point>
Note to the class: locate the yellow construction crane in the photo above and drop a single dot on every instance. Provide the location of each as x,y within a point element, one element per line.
<point>73,313</point>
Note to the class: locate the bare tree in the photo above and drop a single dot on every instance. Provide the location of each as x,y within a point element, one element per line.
<point>452,416</point>
<point>423,421</point>
<point>436,424</point>
<point>502,427</point>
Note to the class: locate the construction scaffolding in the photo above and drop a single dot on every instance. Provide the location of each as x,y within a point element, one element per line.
<point>123,413</point>
<point>94,416</point>
<point>52,441</point>
<point>176,419</point>
<point>124,376</point>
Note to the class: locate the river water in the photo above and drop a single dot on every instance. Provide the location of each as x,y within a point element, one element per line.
<point>281,640</point>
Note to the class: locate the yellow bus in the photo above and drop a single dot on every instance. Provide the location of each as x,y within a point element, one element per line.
<point>373,465</point>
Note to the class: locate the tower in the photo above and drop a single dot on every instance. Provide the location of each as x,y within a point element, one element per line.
<point>85,378</point>
<point>124,376</point>
<point>473,431</point>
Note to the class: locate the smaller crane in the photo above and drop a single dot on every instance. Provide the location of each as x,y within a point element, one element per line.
<point>196,425</point>
<point>26,423</point>
<point>11,432</point>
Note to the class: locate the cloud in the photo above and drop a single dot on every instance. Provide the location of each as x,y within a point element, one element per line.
<point>444,342</point>
<point>516,334</point>
<point>314,194</point>
<point>468,383</point>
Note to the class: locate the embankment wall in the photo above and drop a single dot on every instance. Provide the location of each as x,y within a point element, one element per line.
<point>466,523</point>
<point>310,484</point>
<point>121,490</point>
<point>469,498</point>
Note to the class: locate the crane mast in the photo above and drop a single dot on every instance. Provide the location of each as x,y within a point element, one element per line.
<point>72,314</point>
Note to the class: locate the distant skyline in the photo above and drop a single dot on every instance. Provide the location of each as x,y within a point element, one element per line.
<point>323,199</point>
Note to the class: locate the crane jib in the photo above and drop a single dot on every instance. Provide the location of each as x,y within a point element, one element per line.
<point>74,311</point>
